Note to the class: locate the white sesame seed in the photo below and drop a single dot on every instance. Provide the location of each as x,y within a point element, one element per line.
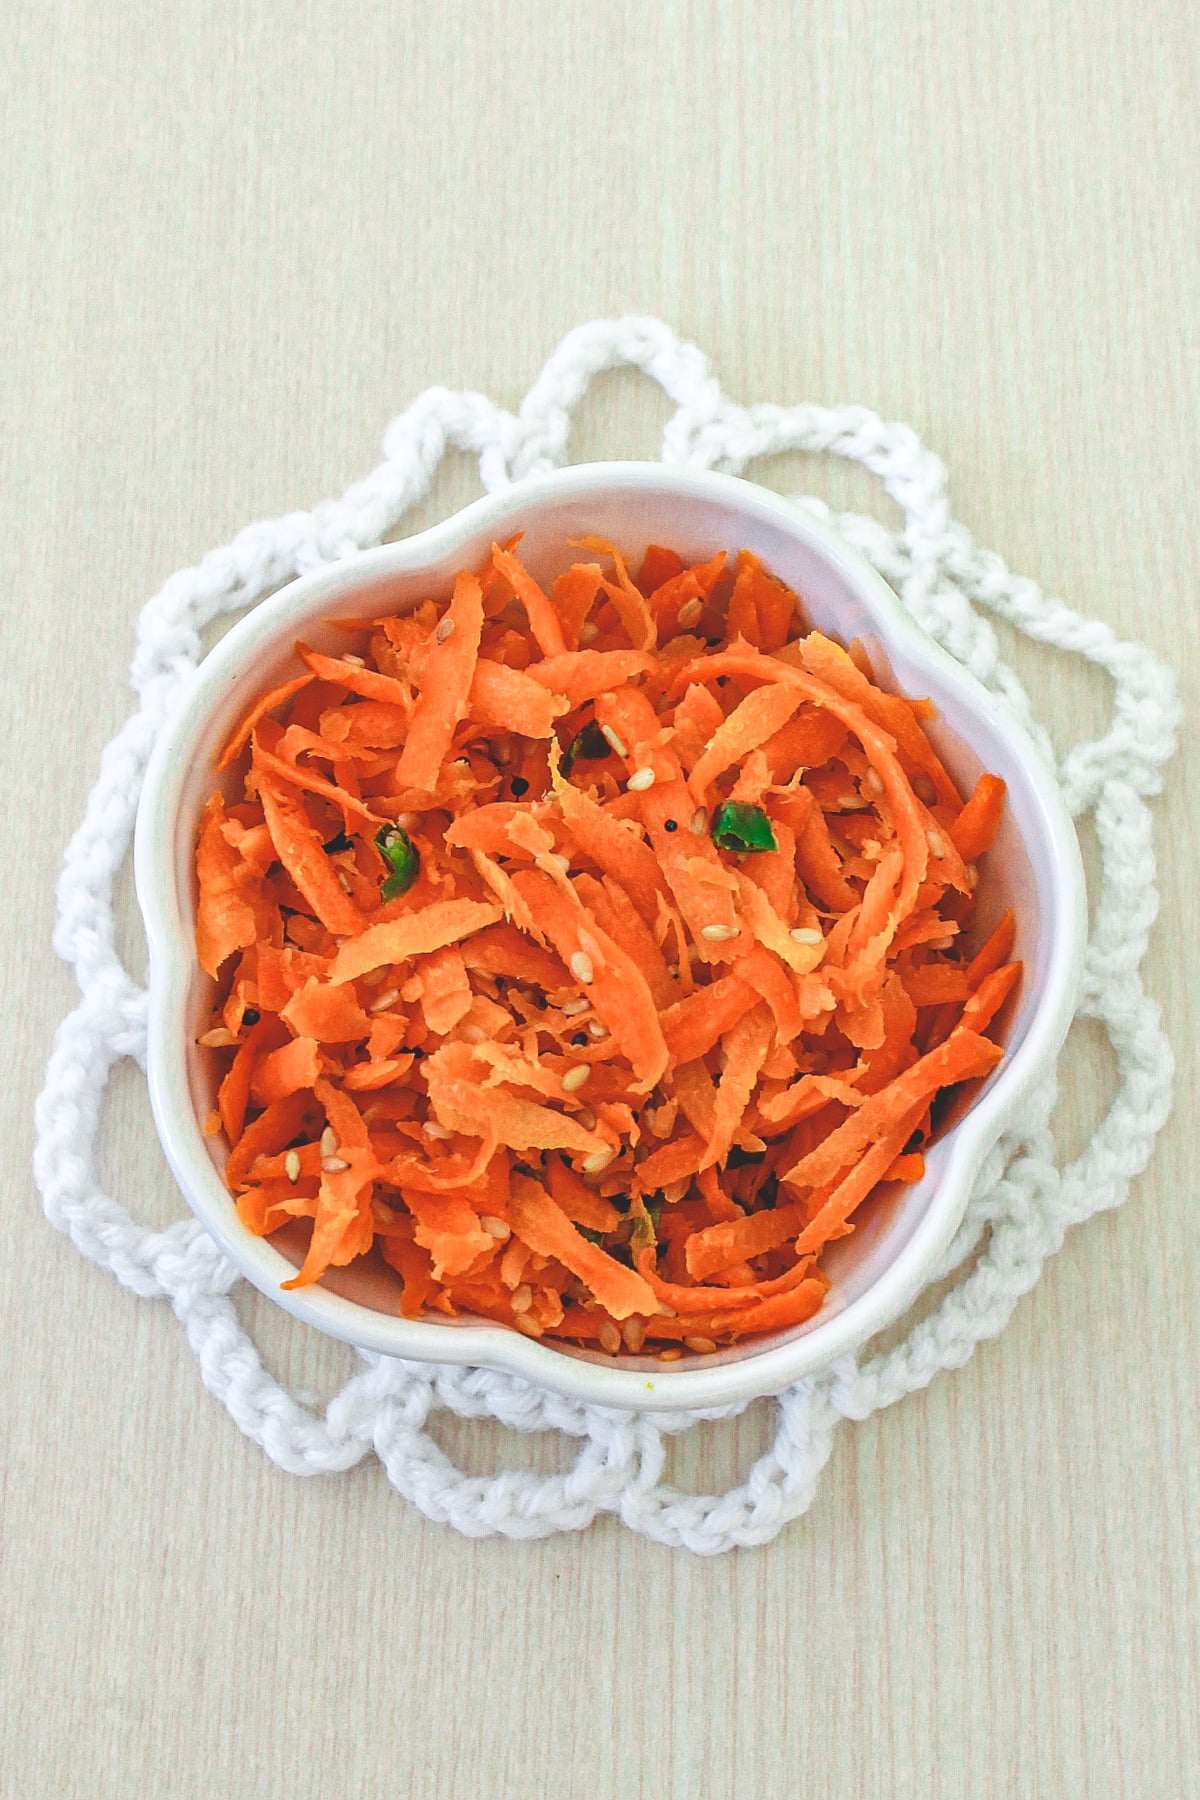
<point>597,1029</point>
<point>445,630</point>
<point>564,862</point>
<point>873,781</point>
<point>472,1034</point>
<point>588,632</point>
<point>355,661</point>
<point>495,1228</point>
<point>329,1141</point>
<point>634,1333</point>
<point>574,1078</point>
<point>675,1192</point>
<point>333,1165</point>
<point>936,845</point>
<point>656,1124</point>
<point>613,741</point>
<point>571,1007</point>
<point>806,934</point>
<point>640,780</point>
<point>848,802</point>
<point>719,934</point>
<point>527,1325</point>
<point>586,1118</point>
<point>698,823</point>
<point>433,1129</point>
<point>701,1345</point>
<point>343,881</point>
<point>972,875</point>
<point>374,977</point>
<point>598,1160</point>
<point>689,613</point>
<point>217,1039</point>
<point>291,1164</point>
<point>581,968</point>
<point>610,1337</point>
<point>669,1355</point>
<point>522,1298</point>
<point>384,1000</point>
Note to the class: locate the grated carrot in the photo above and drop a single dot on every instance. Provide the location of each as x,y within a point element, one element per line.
<point>676,953</point>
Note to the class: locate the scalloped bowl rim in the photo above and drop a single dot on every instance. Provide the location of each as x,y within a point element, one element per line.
<point>702,1384</point>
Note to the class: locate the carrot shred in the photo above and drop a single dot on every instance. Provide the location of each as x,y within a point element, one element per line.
<point>576,1014</point>
<point>274,1127</point>
<point>368,682</point>
<point>266,703</point>
<point>285,1071</point>
<point>542,1224</point>
<point>763,713</point>
<point>936,984</point>
<point>990,996</point>
<point>573,1197</point>
<point>265,762</point>
<point>418,933</point>
<point>445,989</point>
<point>225,919</point>
<point>830,1217</point>
<point>325,1013</point>
<point>963,1055</point>
<point>658,564</point>
<point>737,1240</point>
<point>504,699</point>
<point>996,950</point>
<point>302,853</point>
<point>233,1095</point>
<point>543,620</point>
<point>616,986</point>
<point>446,688</point>
<point>693,1025</point>
<point>583,675</point>
<point>975,827</point>
<point>746,1045</point>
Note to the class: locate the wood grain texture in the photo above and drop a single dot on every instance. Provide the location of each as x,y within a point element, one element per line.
<point>236,239</point>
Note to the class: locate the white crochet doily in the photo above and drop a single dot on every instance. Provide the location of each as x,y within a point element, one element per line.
<point>1023,1203</point>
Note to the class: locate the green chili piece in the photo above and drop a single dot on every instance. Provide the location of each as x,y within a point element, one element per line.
<point>743,828</point>
<point>400,854</point>
<point>589,745</point>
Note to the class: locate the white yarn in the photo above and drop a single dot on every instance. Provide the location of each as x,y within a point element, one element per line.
<point>1023,1203</point>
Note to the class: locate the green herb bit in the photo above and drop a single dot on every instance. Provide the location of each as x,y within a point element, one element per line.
<point>589,745</point>
<point>400,854</point>
<point>743,828</point>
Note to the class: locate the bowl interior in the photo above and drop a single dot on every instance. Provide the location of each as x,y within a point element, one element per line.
<point>841,598</point>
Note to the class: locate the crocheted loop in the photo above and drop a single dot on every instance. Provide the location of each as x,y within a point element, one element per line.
<point>1022,1204</point>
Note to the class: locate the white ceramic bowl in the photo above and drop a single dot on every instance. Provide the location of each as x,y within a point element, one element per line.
<point>1034,868</point>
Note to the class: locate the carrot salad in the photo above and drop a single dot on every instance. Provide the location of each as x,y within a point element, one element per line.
<point>591,953</point>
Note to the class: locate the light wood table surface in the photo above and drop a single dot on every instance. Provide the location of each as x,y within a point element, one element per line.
<point>237,238</point>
